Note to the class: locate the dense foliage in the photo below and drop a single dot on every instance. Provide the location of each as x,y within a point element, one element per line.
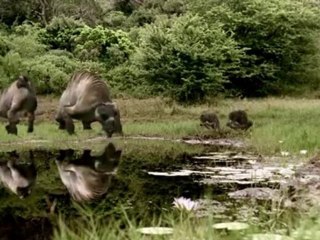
<point>187,50</point>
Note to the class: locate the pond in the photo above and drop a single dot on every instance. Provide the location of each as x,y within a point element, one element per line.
<point>138,177</point>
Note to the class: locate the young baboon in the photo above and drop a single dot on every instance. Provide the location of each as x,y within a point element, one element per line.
<point>19,97</point>
<point>88,177</point>
<point>87,98</point>
<point>210,120</point>
<point>239,120</point>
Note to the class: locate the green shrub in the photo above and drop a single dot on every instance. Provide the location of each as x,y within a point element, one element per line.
<point>61,32</point>
<point>99,43</point>
<point>3,44</point>
<point>275,35</point>
<point>186,58</point>
<point>126,79</point>
<point>49,70</point>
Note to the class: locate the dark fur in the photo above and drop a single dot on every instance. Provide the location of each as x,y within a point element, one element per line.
<point>210,120</point>
<point>18,99</point>
<point>88,177</point>
<point>239,120</point>
<point>87,98</point>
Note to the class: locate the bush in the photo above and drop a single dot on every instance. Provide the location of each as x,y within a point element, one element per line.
<point>49,70</point>
<point>275,35</point>
<point>126,78</point>
<point>186,58</point>
<point>109,46</point>
<point>61,32</point>
<point>3,44</point>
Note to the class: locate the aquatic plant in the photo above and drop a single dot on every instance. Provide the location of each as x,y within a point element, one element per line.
<point>185,204</point>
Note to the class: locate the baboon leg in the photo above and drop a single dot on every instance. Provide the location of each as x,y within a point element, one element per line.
<point>12,129</point>
<point>69,125</point>
<point>205,124</point>
<point>62,124</point>
<point>234,125</point>
<point>60,120</point>
<point>13,121</point>
<point>86,125</point>
<point>118,125</point>
<point>65,122</point>
<point>31,118</point>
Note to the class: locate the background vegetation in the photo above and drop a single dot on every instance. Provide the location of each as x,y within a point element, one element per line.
<point>186,50</point>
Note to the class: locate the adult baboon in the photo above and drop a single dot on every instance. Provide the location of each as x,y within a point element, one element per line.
<point>89,177</point>
<point>19,97</point>
<point>239,120</point>
<point>18,177</point>
<point>210,120</point>
<point>87,98</point>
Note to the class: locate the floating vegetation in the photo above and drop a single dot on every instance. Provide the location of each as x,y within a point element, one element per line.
<point>231,226</point>
<point>269,236</point>
<point>185,204</point>
<point>155,230</point>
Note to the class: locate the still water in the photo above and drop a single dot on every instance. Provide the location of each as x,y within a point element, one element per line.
<point>38,184</point>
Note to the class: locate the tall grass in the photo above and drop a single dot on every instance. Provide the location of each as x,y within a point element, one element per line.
<point>185,225</point>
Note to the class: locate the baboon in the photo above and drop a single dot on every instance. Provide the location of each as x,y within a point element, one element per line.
<point>87,98</point>
<point>210,120</point>
<point>239,120</point>
<point>19,97</point>
<point>88,177</point>
<point>18,177</point>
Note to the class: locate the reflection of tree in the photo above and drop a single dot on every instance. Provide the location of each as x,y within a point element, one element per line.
<point>88,177</point>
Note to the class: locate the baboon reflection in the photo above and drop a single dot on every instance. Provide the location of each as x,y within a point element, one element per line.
<point>239,120</point>
<point>210,120</point>
<point>88,177</point>
<point>18,177</point>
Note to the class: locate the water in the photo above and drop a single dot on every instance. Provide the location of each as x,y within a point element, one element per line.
<point>39,183</point>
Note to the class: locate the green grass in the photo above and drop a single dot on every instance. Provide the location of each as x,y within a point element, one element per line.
<point>295,122</point>
<point>285,125</point>
<point>93,225</point>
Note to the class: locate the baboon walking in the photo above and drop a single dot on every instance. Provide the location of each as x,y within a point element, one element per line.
<point>210,120</point>
<point>87,98</point>
<point>239,120</point>
<point>19,97</point>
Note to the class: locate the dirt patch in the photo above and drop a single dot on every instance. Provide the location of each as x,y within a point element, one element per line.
<point>47,106</point>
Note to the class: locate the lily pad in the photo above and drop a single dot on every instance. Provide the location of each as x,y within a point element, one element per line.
<point>269,236</point>
<point>172,174</point>
<point>155,230</point>
<point>233,226</point>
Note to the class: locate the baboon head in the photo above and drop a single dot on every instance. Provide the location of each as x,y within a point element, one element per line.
<point>23,192</point>
<point>109,160</point>
<point>22,81</point>
<point>108,115</point>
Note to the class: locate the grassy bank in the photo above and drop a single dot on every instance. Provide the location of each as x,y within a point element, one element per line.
<point>279,124</point>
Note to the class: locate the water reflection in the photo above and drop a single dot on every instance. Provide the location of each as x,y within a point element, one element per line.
<point>17,176</point>
<point>88,177</point>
